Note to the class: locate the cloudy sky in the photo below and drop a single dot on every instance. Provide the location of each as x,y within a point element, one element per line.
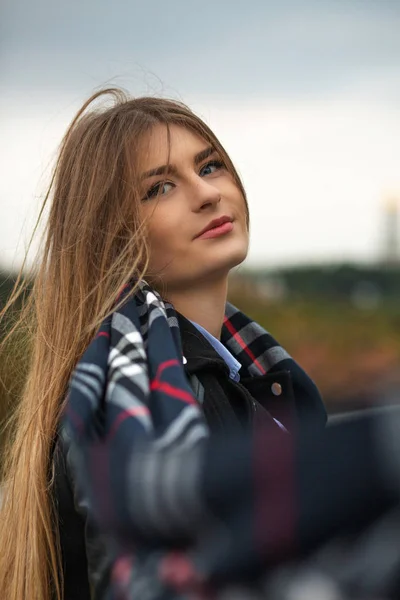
<point>305,95</point>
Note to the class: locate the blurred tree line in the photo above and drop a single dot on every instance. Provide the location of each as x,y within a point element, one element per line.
<point>339,281</point>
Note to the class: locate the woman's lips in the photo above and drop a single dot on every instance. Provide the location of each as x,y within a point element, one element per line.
<point>217,231</point>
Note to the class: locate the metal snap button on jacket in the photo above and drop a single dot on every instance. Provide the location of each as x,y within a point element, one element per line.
<point>276,389</point>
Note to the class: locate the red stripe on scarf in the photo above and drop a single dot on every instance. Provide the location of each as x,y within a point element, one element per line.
<point>166,387</point>
<point>131,412</point>
<point>171,390</point>
<point>121,575</point>
<point>122,290</point>
<point>242,344</point>
<point>276,495</point>
<point>165,365</point>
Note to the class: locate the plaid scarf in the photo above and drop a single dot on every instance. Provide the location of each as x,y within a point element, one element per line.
<point>140,447</point>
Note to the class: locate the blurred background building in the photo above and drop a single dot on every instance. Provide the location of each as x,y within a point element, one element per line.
<point>391,231</point>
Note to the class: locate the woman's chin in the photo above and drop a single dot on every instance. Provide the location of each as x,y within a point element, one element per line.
<point>198,268</point>
<point>233,255</point>
<point>226,261</point>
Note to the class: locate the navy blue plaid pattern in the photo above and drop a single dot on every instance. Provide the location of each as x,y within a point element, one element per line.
<point>137,439</point>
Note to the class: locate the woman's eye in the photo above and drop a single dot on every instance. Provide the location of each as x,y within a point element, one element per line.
<point>159,189</point>
<point>211,167</point>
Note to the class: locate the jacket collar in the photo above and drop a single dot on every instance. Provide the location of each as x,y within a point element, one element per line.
<point>197,350</point>
<point>261,357</point>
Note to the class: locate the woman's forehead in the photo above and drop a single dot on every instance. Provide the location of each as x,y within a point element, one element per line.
<point>166,143</point>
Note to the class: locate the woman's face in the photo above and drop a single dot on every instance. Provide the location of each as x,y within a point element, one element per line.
<point>181,201</point>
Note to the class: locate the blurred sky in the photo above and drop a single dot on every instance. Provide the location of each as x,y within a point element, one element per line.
<point>305,95</point>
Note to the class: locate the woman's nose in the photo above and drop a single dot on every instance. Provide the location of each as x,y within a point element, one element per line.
<point>204,194</point>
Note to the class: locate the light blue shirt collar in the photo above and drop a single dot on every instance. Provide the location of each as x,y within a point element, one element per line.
<point>233,364</point>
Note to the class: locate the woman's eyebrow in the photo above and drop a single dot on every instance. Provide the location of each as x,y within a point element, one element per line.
<point>161,170</point>
<point>171,169</point>
<point>204,154</point>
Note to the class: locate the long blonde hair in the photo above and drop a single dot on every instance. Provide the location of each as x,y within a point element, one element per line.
<point>94,243</point>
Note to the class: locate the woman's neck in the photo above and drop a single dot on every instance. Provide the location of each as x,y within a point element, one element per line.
<point>205,305</point>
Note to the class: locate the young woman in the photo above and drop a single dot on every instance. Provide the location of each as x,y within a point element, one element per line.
<point>142,190</point>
